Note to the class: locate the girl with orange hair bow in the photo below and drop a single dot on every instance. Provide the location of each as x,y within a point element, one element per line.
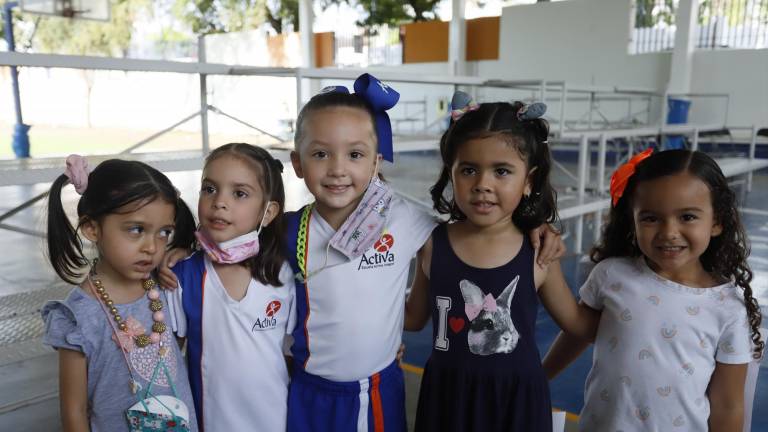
<point>679,322</point>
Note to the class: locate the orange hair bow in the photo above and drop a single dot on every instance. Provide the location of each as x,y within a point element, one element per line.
<point>621,176</point>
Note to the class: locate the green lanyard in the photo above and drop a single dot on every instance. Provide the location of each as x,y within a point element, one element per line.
<point>302,240</point>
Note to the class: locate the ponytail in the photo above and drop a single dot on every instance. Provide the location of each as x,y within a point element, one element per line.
<point>65,250</point>
<point>184,232</point>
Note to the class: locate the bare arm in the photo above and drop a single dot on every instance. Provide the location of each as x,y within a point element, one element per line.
<point>726,397</point>
<point>577,319</point>
<point>417,304</point>
<point>564,350</point>
<point>73,391</point>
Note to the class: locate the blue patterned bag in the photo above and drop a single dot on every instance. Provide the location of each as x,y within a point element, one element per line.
<point>159,413</point>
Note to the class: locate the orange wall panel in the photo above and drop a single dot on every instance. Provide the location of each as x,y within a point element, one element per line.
<point>425,41</point>
<point>483,39</point>
<point>324,49</point>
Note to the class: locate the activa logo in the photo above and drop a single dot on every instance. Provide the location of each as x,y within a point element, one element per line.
<point>269,322</point>
<point>381,256</point>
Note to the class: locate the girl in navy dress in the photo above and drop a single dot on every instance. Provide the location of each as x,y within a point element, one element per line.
<point>478,280</point>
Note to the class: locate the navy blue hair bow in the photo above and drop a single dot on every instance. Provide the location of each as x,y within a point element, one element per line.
<point>380,97</point>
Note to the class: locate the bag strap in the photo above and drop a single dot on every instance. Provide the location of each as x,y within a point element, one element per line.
<point>160,362</point>
<point>148,392</point>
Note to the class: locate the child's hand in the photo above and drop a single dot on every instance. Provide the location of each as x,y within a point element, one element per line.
<point>165,274</point>
<point>400,354</point>
<point>548,242</point>
<point>540,270</point>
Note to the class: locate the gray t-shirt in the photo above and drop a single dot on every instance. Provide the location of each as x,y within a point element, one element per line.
<point>80,324</point>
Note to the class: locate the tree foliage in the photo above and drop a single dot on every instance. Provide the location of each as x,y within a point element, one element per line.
<point>282,13</point>
<point>81,37</point>
<point>220,16</point>
<point>393,12</point>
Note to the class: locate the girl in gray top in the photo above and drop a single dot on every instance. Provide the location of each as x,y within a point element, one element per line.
<point>110,331</point>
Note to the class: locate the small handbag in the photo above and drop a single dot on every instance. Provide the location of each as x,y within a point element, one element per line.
<point>158,413</point>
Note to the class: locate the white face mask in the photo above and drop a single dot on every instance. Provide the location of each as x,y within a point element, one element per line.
<point>232,251</point>
<point>365,225</point>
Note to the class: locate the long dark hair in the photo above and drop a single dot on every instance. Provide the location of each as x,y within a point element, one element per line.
<point>330,100</point>
<point>529,137</point>
<point>726,256</point>
<point>265,266</point>
<point>113,184</point>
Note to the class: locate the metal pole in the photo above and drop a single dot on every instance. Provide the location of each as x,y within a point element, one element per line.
<point>695,144</point>
<point>20,141</point>
<point>602,150</point>
<point>563,98</point>
<point>752,146</point>
<point>203,95</point>
<point>601,153</point>
<point>299,101</point>
<point>583,179</point>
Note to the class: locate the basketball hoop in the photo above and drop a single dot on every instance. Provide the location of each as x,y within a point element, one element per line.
<point>73,9</point>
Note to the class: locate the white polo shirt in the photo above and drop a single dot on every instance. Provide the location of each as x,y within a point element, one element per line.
<point>355,321</point>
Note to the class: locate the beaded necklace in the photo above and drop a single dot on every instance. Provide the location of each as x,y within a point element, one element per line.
<point>142,340</point>
<point>155,305</point>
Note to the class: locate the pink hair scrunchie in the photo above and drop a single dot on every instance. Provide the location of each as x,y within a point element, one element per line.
<point>77,172</point>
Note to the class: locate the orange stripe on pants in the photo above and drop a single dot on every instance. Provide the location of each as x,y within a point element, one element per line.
<point>378,412</point>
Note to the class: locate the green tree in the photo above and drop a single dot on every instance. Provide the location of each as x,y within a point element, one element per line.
<point>280,13</point>
<point>83,37</point>
<point>651,13</point>
<point>393,12</point>
<point>220,16</point>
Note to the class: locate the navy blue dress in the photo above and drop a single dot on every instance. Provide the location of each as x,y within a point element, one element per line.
<point>484,373</point>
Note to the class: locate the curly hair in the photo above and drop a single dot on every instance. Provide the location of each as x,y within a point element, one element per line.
<point>529,137</point>
<point>726,255</point>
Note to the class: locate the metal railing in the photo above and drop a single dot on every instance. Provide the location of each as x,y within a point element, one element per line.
<point>741,24</point>
<point>379,45</point>
<point>733,24</point>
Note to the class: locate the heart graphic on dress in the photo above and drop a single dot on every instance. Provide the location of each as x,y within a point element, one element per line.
<point>456,323</point>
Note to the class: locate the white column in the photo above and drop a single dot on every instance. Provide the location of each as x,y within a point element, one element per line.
<point>457,39</point>
<point>306,20</point>
<point>685,43</point>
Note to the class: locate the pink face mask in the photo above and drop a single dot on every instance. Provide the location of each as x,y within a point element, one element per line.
<point>364,226</point>
<point>232,251</point>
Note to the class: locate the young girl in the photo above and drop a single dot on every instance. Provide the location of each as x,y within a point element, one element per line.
<point>679,322</point>
<point>114,351</point>
<point>476,276</point>
<point>235,301</point>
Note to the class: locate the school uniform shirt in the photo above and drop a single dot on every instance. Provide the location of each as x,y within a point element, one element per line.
<point>656,348</point>
<point>350,324</point>
<point>237,370</point>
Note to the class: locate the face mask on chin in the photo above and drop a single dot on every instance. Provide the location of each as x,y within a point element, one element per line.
<point>235,250</point>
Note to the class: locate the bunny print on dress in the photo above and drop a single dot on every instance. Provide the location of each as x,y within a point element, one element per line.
<point>491,330</point>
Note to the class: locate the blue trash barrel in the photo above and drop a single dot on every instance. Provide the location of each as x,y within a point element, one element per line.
<point>677,114</point>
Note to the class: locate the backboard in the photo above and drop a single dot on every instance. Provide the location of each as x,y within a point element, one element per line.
<point>80,9</point>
